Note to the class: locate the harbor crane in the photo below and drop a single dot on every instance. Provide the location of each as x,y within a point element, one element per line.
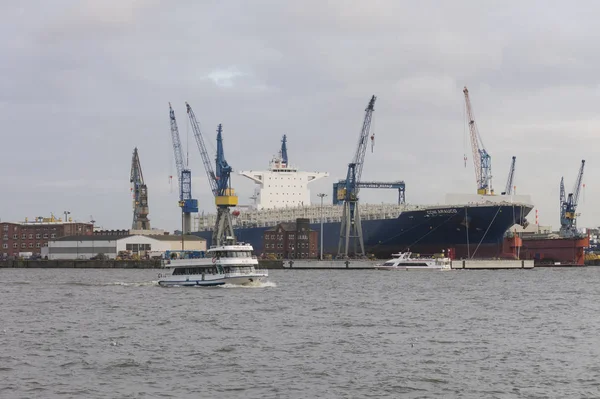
<point>511,175</point>
<point>220,183</point>
<point>140,195</point>
<point>184,176</point>
<point>351,227</point>
<point>481,159</point>
<point>568,206</point>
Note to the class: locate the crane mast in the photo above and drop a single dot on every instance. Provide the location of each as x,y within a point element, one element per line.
<point>481,159</point>
<point>511,175</point>
<point>184,177</point>
<point>351,228</point>
<point>568,206</point>
<point>140,195</point>
<point>220,183</point>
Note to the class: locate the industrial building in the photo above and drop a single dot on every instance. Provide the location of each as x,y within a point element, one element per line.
<point>31,236</point>
<point>291,240</point>
<point>89,246</point>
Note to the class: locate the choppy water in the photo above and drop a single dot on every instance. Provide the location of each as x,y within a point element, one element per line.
<point>307,334</point>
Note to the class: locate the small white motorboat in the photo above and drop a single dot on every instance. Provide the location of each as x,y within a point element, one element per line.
<point>404,261</point>
<point>226,264</point>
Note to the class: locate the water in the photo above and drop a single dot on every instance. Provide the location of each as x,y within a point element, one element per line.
<point>307,334</point>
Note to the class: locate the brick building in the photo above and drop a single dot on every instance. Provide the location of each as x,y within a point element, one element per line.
<point>32,236</point>
<point>291,240</point>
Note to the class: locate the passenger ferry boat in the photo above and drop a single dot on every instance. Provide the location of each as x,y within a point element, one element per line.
<point>404,261</point>
<point>226,264</point>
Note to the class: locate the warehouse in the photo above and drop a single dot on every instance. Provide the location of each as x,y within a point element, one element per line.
<point>86,247</point>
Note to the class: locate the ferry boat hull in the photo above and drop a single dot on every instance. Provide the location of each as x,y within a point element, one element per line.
<point>200,281</point>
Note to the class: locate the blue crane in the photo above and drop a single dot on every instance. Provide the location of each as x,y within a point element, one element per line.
<point>511,176</point>
<point>220,183</point>
<point>481,159</point>
<point>351,228</point>
<point>184,176</point>
<point>568,206</point>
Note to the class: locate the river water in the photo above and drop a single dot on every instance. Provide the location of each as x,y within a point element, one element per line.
<point>304,334</point>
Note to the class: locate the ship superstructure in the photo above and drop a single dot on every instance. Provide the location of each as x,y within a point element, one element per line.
<point>282,186</point>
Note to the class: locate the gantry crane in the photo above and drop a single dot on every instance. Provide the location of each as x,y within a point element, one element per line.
<point>568,206</point>
<point>351,228</point>
<point>481,159</point>
<point>511,175</point>
<point>220,183</point>
<point>184,176</point>
<point>140,195</point>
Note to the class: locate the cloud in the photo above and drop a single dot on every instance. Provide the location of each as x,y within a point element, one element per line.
<point>83,83</point>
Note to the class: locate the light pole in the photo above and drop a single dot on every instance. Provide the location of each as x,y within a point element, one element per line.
<point>321,195</point>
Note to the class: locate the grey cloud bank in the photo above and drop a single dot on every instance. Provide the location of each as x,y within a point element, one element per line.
<point>84,82</point>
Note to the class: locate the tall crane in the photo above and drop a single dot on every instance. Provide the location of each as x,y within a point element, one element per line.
<point>351,227</point>
<point>184,176</point>
<point>220,183</point>
<point>568,206</point>
<point>140,195</point>
<point>481,159</point>
<point>511,175</point>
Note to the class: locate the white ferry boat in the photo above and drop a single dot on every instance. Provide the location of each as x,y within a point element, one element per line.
<point>404,261</point>
<point>226,264</point>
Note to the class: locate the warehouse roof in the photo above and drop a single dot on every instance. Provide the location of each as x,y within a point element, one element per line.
<point>92,238</point>
<point>187,237</point>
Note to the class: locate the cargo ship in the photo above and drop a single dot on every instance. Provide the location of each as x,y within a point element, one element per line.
<point>467,226</point>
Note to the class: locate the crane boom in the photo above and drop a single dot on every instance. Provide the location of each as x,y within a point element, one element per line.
<point>176,143</point>
<point>210,173</point>
<point>577,186</point>
<point>568,206</point>
<point>511,176</point>
<point>359,156</point>
<point>481,159</point>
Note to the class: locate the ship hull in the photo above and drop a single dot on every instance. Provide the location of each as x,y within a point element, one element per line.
<point>469,231</point>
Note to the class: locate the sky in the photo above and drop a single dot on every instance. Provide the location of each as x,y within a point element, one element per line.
<point>83,82</point>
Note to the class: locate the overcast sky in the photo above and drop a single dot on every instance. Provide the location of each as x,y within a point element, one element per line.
<point>83,82</point>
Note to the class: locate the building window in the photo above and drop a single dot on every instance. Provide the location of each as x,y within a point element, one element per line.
<point>37,245</point>
<point>30,245</point>
<point>23,236</point>
<point>38,235</point>
<point>5,237</point>
<point>23,245</point>
<point>45,235</point>
<point>15,245</point>
<point>52,235</point>
<point>5,227</point>
<point>15,237</point>
<point>4,246</point>
<point>30,236</point>
<point>16,228</point>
